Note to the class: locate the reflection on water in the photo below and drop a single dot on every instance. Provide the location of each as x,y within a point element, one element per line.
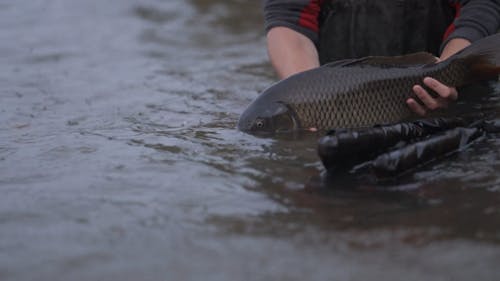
<point>232,16</point>
<point>119,159</point>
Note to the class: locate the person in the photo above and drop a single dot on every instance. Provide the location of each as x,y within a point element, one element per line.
<point>303,34</point>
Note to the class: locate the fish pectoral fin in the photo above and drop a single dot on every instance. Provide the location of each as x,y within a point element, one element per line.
<point>410,60</point>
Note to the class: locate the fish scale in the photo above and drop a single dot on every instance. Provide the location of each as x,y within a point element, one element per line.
<point>355,104</point>
<point>364,92</point>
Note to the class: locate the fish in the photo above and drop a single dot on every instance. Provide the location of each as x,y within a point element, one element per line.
<point>363,92</point>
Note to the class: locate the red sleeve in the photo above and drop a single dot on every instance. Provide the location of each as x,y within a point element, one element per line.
<point>452,27</point>
<point>299,15</point>
<point>309,15</point>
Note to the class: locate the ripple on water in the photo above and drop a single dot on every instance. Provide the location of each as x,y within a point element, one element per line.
<point>119,148</point>
<point>155,14</point>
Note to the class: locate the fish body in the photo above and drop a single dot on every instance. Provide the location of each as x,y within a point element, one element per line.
<point>363,92</point>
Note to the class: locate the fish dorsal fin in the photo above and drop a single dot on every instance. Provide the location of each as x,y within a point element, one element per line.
<point>415,59</point>
<point>341,63</point>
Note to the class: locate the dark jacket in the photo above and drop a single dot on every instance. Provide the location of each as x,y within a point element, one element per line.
<point>470,19</point>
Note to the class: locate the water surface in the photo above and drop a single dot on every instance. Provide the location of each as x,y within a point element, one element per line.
<point>119,160</point>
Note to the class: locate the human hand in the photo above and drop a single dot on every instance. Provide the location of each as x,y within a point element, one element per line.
<point>445,96</point>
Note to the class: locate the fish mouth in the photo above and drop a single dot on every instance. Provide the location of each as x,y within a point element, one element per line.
<point>244,123</point>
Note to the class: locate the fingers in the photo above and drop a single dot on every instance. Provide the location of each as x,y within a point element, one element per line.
<point>416,107</point>
<point>430,102</point>
<point>441,89</point>
<point>445,95</point>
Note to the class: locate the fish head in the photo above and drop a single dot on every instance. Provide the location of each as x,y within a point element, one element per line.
<point>268,118</point>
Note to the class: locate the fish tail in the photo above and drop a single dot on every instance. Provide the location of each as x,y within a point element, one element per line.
<point>481,59</point>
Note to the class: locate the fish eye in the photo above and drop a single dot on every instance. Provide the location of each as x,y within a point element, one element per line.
<point>259,123</point>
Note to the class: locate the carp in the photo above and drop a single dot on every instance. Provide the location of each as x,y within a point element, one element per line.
<point>363,92</point>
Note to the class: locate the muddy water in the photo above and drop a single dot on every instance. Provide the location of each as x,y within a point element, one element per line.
<point>119,161</point>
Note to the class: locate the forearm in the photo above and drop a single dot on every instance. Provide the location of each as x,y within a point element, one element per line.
<point>290,52</point>
<point>475,19</point>
<point>453,46</point>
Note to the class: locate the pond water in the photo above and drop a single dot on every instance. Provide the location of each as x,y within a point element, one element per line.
<point>119,160</point>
